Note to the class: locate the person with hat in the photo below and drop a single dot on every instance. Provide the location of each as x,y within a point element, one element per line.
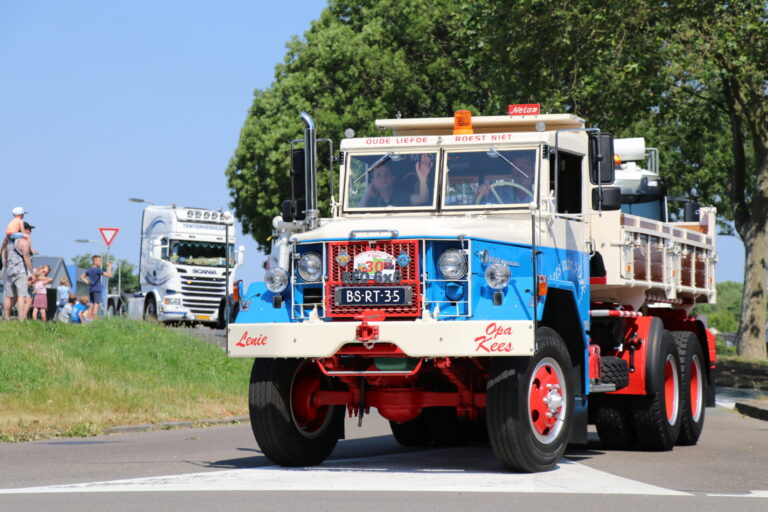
<point>15,228</point>
<point>17,267</point>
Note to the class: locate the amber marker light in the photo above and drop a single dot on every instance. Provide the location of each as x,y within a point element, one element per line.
<point>462,122</point>
<point>616,159</point>
<point>542,285</point>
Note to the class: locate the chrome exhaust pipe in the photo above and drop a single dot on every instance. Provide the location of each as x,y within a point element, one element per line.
<point>310,171</point>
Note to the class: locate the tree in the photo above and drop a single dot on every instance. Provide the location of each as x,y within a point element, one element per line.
<point>128,276</point>
<point>717,53</point>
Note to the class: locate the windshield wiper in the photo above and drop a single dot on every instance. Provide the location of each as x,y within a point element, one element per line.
<point>375,165</point>
<point>511,164</point>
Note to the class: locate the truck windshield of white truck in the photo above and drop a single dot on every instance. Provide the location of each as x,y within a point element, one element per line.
<point>471,178</point>
<point>202,254</point>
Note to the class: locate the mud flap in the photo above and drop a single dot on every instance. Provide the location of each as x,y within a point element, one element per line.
<point>580,420</point>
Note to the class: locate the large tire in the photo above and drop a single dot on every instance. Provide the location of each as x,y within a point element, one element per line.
<point>289,430</point>
<point>657,414</point>
<point>692,387</point>
<point>150,308</point>
<point>411,433</point>
<point>530,405</point>
<point>613,422</point>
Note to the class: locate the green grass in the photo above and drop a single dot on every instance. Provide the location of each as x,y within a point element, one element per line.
<point>77,380</point>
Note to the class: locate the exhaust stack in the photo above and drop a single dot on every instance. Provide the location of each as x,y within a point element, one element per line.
<point>310,174</point>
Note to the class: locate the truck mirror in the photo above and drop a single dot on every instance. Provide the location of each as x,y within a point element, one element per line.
<point>298,185</point>
<point>601,166</point>
<point>691,212</point>
<point>606,198</point>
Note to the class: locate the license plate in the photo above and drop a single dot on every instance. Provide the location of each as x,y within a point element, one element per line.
<point>372,296</point>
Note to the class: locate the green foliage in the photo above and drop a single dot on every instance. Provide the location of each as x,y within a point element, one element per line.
<point>128,274</point>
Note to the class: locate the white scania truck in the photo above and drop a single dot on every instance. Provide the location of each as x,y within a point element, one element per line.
<point>183,269</point>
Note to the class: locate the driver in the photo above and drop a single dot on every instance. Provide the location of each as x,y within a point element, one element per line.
<point>518,189</point>
<point>386,189</point>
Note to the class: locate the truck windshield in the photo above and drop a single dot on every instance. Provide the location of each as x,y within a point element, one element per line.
<point>203,254</point>
<point>490,177</point>
<point>387,180</point>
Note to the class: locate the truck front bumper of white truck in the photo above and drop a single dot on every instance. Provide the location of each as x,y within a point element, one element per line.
<point>416,338</point>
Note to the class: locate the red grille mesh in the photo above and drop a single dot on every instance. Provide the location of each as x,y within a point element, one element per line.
<point>393,247</point>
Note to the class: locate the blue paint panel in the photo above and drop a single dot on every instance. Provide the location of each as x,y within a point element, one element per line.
<point>517,296</point>
<point>261,309</point>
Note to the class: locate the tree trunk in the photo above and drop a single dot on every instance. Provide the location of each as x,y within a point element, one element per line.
<point>751,338</point>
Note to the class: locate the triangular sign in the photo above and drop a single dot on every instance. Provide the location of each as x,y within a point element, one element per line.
<point>108,234</point>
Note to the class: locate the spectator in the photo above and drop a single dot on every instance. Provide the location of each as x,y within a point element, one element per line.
<point>66,311</point>
<point>62,294</point>
<point>80,311</point>
<point>40,304</point>
<point>15,228</point>
<point>17,267</point>
<point>92,277</point>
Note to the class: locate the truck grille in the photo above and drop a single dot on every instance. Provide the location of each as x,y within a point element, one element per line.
<point>202,295</point>
<point>394,248</point>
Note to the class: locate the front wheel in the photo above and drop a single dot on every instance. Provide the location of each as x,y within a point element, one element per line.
<point>530,404</point>
<point>150,309</point>
<point>289,428</point>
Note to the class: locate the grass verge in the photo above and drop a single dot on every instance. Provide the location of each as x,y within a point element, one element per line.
<point>77,380</point>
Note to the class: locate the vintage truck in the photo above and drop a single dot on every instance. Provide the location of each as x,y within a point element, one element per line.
<point>500,278</point>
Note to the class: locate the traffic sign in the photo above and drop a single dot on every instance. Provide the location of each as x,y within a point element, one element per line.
<point>108,234</point>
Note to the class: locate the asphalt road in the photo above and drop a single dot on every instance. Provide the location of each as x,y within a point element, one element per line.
<point>220,468</point>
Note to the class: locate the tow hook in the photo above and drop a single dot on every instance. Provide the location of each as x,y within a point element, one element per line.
<point>365,333</point>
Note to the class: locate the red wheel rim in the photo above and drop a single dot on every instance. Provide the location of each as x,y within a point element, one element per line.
<point>696,390</point>
<point>308,418</point>
<point>546,400</point>
<point>671,383</point>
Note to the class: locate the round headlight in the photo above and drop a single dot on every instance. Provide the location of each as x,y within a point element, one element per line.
<point>207,215</point>
<point>276,279</point>
<point>214,216</point>
<point>497,275</point>
<point>452,264</point>
<point>198,214</point>
<point>190,214</point>
<point>310,267</point>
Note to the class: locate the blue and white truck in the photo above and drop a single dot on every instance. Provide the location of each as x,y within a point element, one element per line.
<point>481,277</point>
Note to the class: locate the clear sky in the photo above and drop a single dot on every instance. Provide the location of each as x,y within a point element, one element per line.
<point>101,101</point>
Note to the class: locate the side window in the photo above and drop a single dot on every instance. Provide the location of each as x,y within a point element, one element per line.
<point>567,179</point>
<point>164,248</point>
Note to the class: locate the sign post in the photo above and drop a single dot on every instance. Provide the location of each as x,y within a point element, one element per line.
<point>109,234</point>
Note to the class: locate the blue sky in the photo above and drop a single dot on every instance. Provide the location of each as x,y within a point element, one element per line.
<point>101,101</point>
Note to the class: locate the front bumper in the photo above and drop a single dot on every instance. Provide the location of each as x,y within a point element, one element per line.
<point>416,338</point>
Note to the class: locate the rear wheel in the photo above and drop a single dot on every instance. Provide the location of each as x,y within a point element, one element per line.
<point>613,423</point>
<point>657,415</point>
<point>530,404</point>
<point>411,433</point>
<point>289,428</point>
<point>692,387</point>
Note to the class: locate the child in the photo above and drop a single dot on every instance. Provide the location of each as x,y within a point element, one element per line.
<point>15,228</point>
<point>40,302</point>
<point>62,294</point>
<point>66,311</point>
<point>79,313</point>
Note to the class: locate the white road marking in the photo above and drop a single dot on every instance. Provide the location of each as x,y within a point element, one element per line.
<point>751,494</point>
<point>398,472</point>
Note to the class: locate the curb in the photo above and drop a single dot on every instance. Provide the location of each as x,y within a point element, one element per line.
<point>169,425</point>
<point>757,409</point>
